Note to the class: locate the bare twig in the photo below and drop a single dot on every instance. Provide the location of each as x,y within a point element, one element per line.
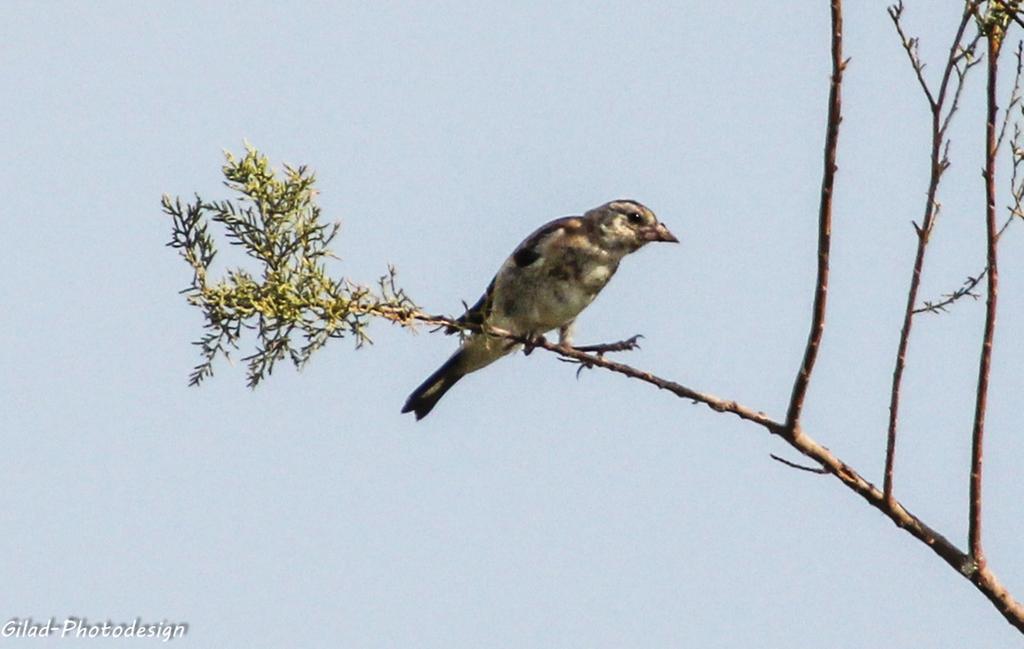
<point>803,377</point>
<point>983,579</point>
<point>598,360</point>
<point>964,58</point>
<point>969,286</point>
<point>1014,99</point>
<point>939,162</point>
<point>994,36</point>
<point>793,465</point>
<point>1016,188</point>
<point>966,290</point>
<point>910,46</point>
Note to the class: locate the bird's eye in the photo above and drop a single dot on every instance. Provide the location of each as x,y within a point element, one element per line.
<point>635,218</point>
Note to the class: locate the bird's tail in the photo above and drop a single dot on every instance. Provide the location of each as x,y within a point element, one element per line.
<point>424,398</point>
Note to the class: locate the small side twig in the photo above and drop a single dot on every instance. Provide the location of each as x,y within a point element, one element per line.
<point>910,47</point>
<point>793,465</point>
<point>966,289</point>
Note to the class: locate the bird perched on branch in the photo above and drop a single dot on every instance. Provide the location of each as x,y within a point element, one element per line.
<point>547,281</point>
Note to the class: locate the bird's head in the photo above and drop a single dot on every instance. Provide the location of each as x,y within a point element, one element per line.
<point>628,225</point>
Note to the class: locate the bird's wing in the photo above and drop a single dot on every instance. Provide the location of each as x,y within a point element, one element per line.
<point>526,253</point>
<point>534,246</point>
<point>476,314</point>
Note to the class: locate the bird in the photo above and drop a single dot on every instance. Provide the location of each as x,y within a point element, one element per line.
<point>545,283</point>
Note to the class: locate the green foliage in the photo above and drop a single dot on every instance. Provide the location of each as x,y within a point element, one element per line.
<point>290,303</point>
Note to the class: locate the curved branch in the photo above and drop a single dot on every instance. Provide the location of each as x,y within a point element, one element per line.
<point>803,377</point>
<point>982,578</point>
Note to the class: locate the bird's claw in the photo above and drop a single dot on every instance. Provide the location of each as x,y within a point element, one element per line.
<point>532,344</point>
<point>600,350</point>
<point>626,345</point>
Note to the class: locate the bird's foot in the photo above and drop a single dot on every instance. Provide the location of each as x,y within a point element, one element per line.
<point>626,345</point>
<point>532,344</point>
<point>621,346</point>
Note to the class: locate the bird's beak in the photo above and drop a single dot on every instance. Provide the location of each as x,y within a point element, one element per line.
<point>661,233</point>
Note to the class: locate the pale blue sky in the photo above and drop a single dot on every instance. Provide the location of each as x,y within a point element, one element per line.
<point>530,509</point>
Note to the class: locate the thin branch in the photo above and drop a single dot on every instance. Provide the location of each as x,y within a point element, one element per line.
<point>803,377</point>
<point>910,46</point>
<point>939,162</point>
<point>598,360</point>
<point>966,289</point>
<point>982,578</point>
<point>1014,97</point>
<point>957,54</point>
<point>994,36</point>
<point>800,467</point>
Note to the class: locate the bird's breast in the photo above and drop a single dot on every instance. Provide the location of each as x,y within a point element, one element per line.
<point>546,296</point>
